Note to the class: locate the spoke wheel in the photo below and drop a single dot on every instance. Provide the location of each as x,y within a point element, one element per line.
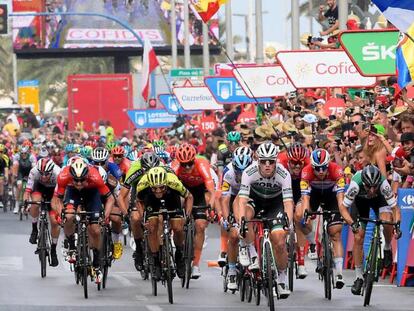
<point>269,276</point>
<point>292,260</point>
<point>84,263</point>
<point>327,268</point>
<point>168,269</point>
<point>188,256</point>
<point>42,248</point>
<point>370,271</point>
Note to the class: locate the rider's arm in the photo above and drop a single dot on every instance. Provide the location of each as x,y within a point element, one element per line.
<point>287,192</point>
<point>188,204</point>
<point>243,195</point>
<point>391,199</point>
<point>123,200</point>
<point>347,202</point>
<point>204,169</point>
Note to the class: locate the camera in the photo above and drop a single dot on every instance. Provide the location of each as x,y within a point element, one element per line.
<point>292,95</point>
<point>312,39</point>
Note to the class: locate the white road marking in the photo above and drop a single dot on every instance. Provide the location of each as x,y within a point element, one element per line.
<point>11,264</point>
<point>156,307</point>
<point>123,280</point>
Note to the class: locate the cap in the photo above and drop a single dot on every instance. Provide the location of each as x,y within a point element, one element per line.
<point>380,129</point>
<point>320,101</point>
<point>352,24</point>
<point>407,137</point>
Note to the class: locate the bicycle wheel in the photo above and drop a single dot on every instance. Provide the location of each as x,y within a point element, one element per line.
<point>256,291</point>
<point>189,254</point>
<point>167,250</point>
<point>104,257</point>
<point>370,270</point>
<point>269,276</point>
<point>249,289</point>
<point>153,281</point>
<point>327,267</point>
<point>242,286</point>
<point>41,245</point>
<point>84,262</point>
<point>21,212</point>
<point>292,260</point>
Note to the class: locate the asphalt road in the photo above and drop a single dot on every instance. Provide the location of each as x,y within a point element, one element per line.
<point>22,288</point>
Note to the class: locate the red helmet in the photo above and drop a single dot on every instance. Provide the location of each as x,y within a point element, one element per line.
<point>90,143</point>
<point>172,150</point>
<point>118,150</point>
<point>186,153</point>
<point>27,143</point>
<point>297,152</point>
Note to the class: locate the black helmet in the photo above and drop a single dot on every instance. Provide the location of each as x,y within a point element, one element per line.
<point>149,160</point>
<point>371,176</point>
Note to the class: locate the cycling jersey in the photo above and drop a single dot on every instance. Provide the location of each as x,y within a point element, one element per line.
<point>357,190</point>
<point>93,181</point>
<point>224,157</point>
<point>171,182</point>
<point>333,182</point>
<point>4,162</point>
<point>199,174</point>
<point>284,160</point>
<point>279,184</point>
<point>25,165</point>
<point>136,172</point>
<point>123,166</point>
<point>231,181</point>
<point>35,179</point>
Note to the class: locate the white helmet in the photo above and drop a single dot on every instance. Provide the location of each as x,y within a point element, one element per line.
<point>100,154</point>
<point>103,173</point>
<point>267,151</point>
<point>45,165</point>
<point>79,169</point>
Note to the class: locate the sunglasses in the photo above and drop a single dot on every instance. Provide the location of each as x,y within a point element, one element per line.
<point>78,180</point>
<point>295,163</point>
<point>267,162</point>
<point>44,173</point>
<point>118,156</point>
<point>188,164</point>
<point>356,123</point>
<point>158,189</point>
<point>322,168</point>
<point>103,163</point>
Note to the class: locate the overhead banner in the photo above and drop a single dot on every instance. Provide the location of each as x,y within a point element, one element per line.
<point>151,118</point>
<point>226,90</point>
<point>371,51</point>
<point>28,94</point>
<point>321,68</point>
<point>263,81</point>
<point>196,98</point>
<point>172,105</point>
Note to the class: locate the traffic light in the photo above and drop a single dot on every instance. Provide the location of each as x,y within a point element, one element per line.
<point>3,19</point>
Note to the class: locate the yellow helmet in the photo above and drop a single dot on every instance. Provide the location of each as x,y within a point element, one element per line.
<point>157,176</point>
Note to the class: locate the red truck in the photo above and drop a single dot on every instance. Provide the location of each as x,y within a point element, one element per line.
<point>95,97</point>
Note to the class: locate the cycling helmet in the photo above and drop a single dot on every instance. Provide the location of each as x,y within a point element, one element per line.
<point>2,148</point>
<point>133,155</point>
<point>127,149</point>
<point>50,145</point>
<point>186,153</point>
<point>242,158</point>
<point>267,151</point>
<point>86,152</point>
<point>159,150</point>
<point>157,176</point>
<point>159,143</point>
<point>27,143</point>
<point>100,154</point>
<point>371,176</point>
<point>320,158</point>
<point>78,169</point>
<point>45,165</point>
<point>43,153</point>
<point>297,152</point>
<point>118,151</point>
<point>233,137</point>
<point>91,144</point>
<point>103,174</point>
<point>149,160</point>
<point>110,146</point>
<point>70,148</point>
<point>24,149</point>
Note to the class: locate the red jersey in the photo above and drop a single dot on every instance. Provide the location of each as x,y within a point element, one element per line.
<point>199,174</point>
<point>123,166</point>
<point>93,181</point>
<point>284,160</point>
<point>334,180</point>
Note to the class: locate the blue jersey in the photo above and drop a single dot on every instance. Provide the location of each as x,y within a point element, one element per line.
<point>114,170</point>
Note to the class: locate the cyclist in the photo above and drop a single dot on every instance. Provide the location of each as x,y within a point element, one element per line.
<point>266,188</point>
<point>225,152</point>
<point>41,185</point>
<point>154,187</point>
<point>159,149</point>
<point>4,171</point>
<point>118,157</point>
<point>323,182</point>
<point>368,189</point>
<point>232,173</point>
<point>134,175</point>
<point>294,160</point>
<point>82,181</point>
<point>70,151</point>
<point>194,173</point>
<point>23,162</point>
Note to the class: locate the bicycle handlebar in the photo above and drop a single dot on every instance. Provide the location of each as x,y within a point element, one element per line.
<point>26,203</point>
<point>324,213</point>
<point>379,222</point>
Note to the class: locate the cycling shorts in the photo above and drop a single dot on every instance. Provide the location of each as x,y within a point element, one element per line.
<point>267,208</point>
<point>43,191</point>
<point>198,193</point>
<point>91,199</point>
<point>328,198</point>
<point>172,202</point>
<point>361,207</point>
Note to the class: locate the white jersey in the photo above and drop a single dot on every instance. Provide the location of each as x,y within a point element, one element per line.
<point>34,177</point>
<point>231,181</point>
<point>280,184</point>
<point>215,178</point>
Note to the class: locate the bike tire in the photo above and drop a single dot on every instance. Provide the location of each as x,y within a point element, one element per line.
<point>256,292</point>
<point>249,289</point>
<point>167,250</point>
<point>153,282</point>
<point>42,248</point>
<point>84,260</point>
<point>269,276</point>
<point>371,270</point>
<point>104,257</point>
<point>292,260</point>
<point>21,213</point>
<point>327,269</point>
<point>242,287</point>
<point>189,255</point>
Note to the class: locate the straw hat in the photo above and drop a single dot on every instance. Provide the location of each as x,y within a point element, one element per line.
<point>397,111</point>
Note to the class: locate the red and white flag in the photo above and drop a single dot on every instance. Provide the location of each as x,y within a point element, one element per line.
<point>149,63</point>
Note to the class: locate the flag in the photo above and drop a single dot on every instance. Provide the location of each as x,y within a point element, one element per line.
<point>149,63</point>
<point>405,59</point>
<point>401,14</point>
<point>207,8</point>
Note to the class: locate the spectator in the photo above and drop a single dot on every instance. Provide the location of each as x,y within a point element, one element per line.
<point>10,128</point>
<point>110,133</point>
<point>331,15</point>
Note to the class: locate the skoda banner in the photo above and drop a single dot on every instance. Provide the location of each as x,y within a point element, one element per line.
<point>371,51</point>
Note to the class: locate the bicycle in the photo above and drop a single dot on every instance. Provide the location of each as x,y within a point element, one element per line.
<point>22,209</point>
<point>188,255</point>
<point>325,264</point>
<point>292,263</point>
<point>265,254</point>
<point>166,250</point>
<point>83,264</point>
<point>373,263</point>
<point>44,240</point>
